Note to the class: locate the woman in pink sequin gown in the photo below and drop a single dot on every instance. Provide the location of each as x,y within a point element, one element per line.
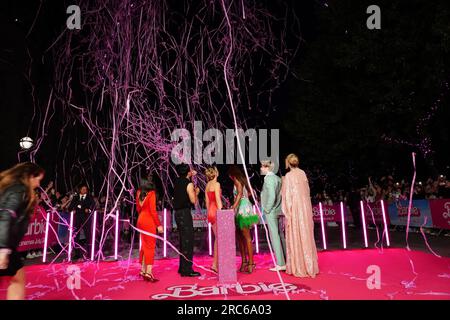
<point>301,252</point>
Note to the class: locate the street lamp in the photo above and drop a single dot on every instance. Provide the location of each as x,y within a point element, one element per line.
<point>26,143</point>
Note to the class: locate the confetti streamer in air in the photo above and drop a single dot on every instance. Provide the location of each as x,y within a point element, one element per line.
<point>138,70</point>
<point>423,141</point>
<point>376,227</point>
<point>411,193</point>
<point>172,246</point>
<point>425,238</point>
<point>230,97</point>
<point>411,284</point>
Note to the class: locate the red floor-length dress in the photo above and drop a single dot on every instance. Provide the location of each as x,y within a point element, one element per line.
<point>148,221</point>
<point>212,210</point>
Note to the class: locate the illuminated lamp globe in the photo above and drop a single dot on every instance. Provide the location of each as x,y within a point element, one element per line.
<point>26,143</point>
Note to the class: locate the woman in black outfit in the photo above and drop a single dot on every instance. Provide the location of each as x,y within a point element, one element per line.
<point>17,202</point>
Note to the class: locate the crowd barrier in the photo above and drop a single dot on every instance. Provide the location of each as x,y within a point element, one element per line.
<point>45,228</point>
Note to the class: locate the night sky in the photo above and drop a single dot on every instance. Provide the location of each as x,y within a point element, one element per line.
<point>351,86</point>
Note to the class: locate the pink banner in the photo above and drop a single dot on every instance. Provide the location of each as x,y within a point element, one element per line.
<point>376,209</point>
<point>440,213</point>
<point>330,212</point>
<point>200,218</point>
<point>168,218</point>
<point>35,236</point>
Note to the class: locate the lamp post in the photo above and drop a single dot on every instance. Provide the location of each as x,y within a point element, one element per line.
<point>26,143</point>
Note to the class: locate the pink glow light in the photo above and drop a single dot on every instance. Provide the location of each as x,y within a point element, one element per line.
<point>324,240</point>
<point>70,237</point>
<point>344,238</point>
<point>209,239</point>
<point>44,257</point>
<point>165,234</point>
<point>256,233</point>
<point>116,245</point>
<point>256,238</point>
<point>94,224</point>
<point>364,224</point>
<point>386,230</point>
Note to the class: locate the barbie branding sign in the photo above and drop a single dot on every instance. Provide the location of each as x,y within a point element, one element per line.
<point>440,211</point>
<point>192,291</point>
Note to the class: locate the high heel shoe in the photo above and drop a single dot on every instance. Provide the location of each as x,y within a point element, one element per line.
<point>149,277</point>
<point>251,267</point>
<point>244,266</point>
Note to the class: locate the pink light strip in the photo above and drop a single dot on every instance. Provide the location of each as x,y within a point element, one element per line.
<point>256,238</point>
<point>256,233</point>
<point>116,244</point>
<point>324,240</point>
<point>344,238</point>
<point>363,217</point>
<point>94,224</point>
<point>386,230</point>
<point>70,237</point>
<point>209,239</point>
<point>165,234</point>
<point>44,257</point>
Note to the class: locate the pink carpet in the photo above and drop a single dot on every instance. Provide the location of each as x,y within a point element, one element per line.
<point>343,276</point>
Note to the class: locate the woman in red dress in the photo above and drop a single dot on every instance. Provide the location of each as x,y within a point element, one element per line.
<point>148,221</point>
<point>213,203</point>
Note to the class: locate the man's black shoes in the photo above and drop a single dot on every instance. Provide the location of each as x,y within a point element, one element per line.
<point>191,274</point>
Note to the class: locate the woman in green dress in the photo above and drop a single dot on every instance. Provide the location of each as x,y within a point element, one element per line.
<point>245,217</point>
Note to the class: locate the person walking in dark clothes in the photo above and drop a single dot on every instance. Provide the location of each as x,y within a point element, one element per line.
<point>354,199</point>
<point>83,205</point>
<point>17,203</point>
<point>185,195</point>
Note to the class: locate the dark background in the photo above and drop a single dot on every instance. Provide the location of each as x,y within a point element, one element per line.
<point>350,90</point>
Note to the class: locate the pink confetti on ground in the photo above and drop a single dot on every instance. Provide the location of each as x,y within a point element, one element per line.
<point>341,275</point>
